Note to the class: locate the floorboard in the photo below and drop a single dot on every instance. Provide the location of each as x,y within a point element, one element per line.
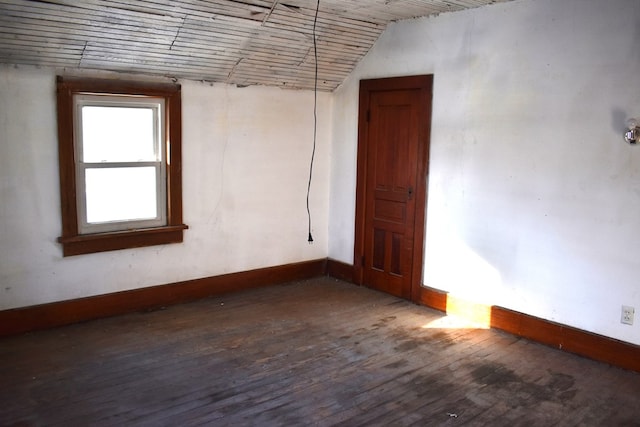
<point>319,352</point>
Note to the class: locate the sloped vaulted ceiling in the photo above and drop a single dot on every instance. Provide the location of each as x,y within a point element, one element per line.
<point>242,42</point>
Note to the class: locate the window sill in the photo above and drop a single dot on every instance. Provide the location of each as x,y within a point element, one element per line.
<point>102,242</point>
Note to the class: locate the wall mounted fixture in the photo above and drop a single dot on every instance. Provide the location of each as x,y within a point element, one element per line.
<point>632,136</point>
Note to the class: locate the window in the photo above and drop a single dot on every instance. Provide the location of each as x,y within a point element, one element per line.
<point>120,167</point>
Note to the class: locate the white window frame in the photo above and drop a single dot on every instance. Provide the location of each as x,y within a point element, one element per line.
<point>160,147</point>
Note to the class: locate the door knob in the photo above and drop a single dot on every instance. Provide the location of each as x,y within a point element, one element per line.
<point>410,193</point>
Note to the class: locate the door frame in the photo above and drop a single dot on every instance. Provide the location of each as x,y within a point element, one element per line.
<point>425,84</point>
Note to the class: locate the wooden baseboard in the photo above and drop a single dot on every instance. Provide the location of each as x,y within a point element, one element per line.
<point>587,344</point>
<point>593,346</point>
<point>340,270</point>
<point>44,316</point>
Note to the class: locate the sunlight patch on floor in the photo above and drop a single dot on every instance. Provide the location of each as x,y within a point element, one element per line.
<point>455,322</point>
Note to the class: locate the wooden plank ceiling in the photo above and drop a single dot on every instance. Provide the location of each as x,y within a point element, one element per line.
<point>241,42</point>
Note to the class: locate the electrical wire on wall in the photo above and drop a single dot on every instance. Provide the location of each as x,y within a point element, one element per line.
<point>315,115</point>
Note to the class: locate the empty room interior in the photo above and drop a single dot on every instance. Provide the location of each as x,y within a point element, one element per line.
<point>303,212</point>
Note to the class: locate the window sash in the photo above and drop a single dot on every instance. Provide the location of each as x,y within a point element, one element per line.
<point>160,151</point>
<point>160,219</point>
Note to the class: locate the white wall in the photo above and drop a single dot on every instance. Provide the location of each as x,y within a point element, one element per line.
<point>246,156</point>
<point>534,197</point>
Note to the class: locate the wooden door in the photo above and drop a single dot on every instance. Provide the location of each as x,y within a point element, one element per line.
<point>393,148</point>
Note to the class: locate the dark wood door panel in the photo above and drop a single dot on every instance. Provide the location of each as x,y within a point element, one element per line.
<point>392,211</point>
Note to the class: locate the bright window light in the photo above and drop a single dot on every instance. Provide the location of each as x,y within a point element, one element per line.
<point>121,194</point>
<point>117,134</point>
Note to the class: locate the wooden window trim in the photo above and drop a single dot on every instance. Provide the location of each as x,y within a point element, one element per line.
<point>74,243</point>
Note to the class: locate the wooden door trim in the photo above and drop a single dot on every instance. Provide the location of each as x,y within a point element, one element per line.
<point>425,84</point>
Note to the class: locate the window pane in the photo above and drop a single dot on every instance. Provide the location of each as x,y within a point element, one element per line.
<point>118,134</point>
<point>120,194</point>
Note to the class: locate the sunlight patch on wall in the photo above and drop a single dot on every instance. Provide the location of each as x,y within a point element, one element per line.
<point>455,267</point>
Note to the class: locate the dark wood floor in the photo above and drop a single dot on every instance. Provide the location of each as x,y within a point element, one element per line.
<point>319,352</point>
